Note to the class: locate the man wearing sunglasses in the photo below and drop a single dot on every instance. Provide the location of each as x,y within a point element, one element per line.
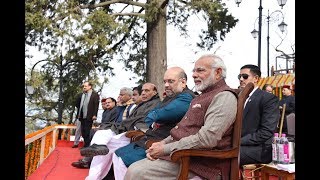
<point>260,118</point>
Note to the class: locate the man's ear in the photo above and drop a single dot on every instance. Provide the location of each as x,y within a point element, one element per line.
<point>218,73</point>
<point>256,78</point>
<point>183,80</point>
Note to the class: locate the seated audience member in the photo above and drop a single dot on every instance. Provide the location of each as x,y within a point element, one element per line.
<point>207,124</point>
<point>109,111</point>
<point>124,105</point>
<point>289,100</point>
<point>268,88</point>
<point>164,117</point>
<point>109,114</point>
<point>260,118</point>
<point>105,142</point>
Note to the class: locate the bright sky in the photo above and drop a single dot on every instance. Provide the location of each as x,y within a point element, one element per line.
<point>238,48</point>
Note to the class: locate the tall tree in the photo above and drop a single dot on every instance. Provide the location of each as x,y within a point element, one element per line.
<point>134,32</point>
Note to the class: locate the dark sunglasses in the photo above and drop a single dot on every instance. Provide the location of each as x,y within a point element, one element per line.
<point>245,76</point>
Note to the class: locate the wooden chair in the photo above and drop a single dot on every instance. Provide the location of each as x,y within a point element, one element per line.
<point>183,156</point>
<point>134,135</point>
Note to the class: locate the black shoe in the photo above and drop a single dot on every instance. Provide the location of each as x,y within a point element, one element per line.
<point>81,164</point>
<point>94,150</point>
<point>74,146</point>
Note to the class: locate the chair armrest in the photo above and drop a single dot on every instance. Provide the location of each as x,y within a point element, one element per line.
<point>133,133</point>
<point>150,142</point>
<point>137,137</point>
<point>183,157</point>
<point>218,154</point>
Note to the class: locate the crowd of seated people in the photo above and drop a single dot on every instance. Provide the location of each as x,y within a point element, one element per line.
<point>183,120</point>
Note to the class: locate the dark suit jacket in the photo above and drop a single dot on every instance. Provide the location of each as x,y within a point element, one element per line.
<point>290,102</point>
<point>108,116</point>
<point>93,105</point>
<point>260,119</point>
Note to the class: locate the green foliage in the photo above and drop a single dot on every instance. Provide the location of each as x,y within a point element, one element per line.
<point>153,10</point>
<point>94,34</point>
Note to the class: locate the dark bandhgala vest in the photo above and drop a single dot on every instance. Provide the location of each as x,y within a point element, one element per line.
<point>191,124</point>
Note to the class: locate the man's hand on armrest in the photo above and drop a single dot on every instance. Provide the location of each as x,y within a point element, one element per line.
<point>150,142</point>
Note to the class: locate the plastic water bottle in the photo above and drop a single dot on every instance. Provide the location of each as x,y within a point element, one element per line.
<point>283,148</point>
<point>275,151</point>
<point>280,151</point>
<point>285,142</point>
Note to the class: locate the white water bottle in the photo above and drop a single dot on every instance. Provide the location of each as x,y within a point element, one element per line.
<point>275,151</point>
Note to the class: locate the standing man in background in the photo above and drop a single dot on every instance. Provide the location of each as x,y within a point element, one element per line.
<point>87,110</point>
<point>290,102</point>
<point>77,134</point>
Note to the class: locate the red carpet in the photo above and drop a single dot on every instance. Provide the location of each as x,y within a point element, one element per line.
<point>58,164</point>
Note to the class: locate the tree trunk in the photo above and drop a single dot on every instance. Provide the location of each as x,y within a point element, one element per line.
<point>157,50</point>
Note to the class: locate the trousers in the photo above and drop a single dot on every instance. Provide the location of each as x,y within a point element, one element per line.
<point>101,164</point>
<point>77,134</point>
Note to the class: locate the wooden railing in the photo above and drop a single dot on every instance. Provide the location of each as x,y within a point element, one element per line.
<point>39,145</point>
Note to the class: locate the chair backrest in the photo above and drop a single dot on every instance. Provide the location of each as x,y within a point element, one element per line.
<point>291,119</point>
<point>243,95</point>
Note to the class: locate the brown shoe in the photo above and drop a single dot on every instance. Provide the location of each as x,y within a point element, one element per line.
<point>81,164</point>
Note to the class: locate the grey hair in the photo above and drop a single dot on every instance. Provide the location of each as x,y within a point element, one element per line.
<point>217,63</point>
<point>127,91</point>
<point>183,75</point>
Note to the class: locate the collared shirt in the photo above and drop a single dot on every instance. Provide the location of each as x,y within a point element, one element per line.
<point>248,99</point>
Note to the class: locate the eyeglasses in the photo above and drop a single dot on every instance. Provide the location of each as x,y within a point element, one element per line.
<point>245,76</point>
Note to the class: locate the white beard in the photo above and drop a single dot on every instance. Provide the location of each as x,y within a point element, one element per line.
<point>205,83</point>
